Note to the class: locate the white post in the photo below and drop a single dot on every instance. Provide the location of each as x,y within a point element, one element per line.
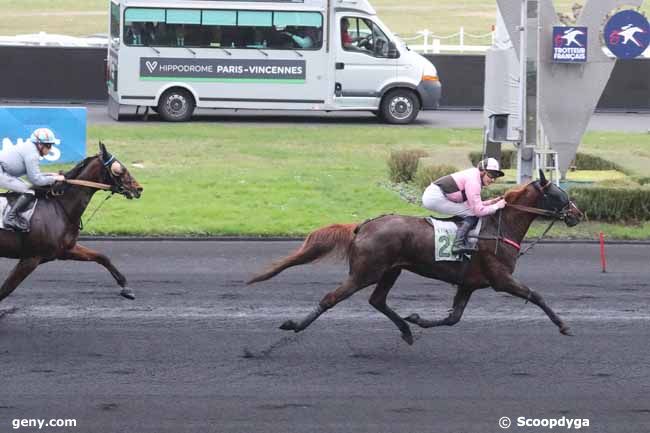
<point>436,46</point>
<point>462,39</point>
<point>425,35</point>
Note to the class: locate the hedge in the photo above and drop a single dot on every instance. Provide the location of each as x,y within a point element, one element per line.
<point>601,203</point>
<point>583,161</point>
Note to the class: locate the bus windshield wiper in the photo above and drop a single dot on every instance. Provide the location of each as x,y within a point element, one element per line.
<point>263,52</point>
<point>155,50</point>
<point>226,51</point>
<point>190,50</point>
<point>298,53</point>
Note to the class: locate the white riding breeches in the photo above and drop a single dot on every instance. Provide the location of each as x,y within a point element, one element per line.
<point>434,199</point>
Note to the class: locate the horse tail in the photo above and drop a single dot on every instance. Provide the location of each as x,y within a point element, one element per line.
<point>333,239</point>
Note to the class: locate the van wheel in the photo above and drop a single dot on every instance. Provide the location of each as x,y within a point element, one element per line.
<point>176,105</point>
<point>400,106</point>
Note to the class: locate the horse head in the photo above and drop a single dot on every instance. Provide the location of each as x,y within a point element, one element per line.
<point>545,198</point>
<point>554,199</point>
<point>116,175</point>
<point>105,168</point>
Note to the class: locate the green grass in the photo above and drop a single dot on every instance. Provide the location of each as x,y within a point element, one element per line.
<point>406,17</point>
<point>227,180</point>
<point>207,179</point>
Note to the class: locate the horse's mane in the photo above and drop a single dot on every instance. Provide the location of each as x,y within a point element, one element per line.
<point>76,170</point>
<point>513,194</point>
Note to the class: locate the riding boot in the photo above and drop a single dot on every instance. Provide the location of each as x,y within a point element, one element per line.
<point>461,244</point>
<point>13,219</point>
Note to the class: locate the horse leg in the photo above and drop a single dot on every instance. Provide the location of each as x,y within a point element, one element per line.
<point>84,254</point>
<point>460,302</point>
<point>515,288</point>
<point>378,300</point>
<point>18,274</point>
<point>344,291</point>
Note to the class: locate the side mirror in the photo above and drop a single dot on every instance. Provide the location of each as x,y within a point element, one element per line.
<point>392,50</point>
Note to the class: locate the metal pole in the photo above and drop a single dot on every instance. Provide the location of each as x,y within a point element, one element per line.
<point>529,56</point>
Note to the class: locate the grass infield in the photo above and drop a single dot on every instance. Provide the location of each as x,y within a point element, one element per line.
<point>208,179</point>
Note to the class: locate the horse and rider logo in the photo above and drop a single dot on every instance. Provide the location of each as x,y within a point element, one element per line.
<point>570,44</point>
<point>627,34</point>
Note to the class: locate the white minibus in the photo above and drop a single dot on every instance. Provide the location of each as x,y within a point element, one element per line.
<point>325,55</point>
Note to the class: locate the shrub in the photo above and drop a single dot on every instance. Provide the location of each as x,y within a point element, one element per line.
<point>613,204</point>
<point>508,159</point>
<point>584,161</point>
<point>402,164</point>
<point>428,173</point>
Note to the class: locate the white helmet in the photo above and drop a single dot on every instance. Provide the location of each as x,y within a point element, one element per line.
<point>491,165</point>
<point>43,136</point>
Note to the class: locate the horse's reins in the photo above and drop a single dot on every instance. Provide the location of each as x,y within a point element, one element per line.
<point>89,184</point>
<point>543,212</point>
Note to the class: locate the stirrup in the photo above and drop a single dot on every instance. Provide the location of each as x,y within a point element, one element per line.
<point>463,249</point>
<point>17,223</point>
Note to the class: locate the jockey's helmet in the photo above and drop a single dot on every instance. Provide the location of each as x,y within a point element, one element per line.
<point>43,136</point>
<point>491,166</point>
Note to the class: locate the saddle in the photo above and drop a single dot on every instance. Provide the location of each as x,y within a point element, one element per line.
<point>445,234</point>
<point>7,200</point>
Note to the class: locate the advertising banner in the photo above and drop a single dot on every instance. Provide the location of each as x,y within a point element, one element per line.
<point>570,44</point>
<point>68,125</point>
<point>161,68</point>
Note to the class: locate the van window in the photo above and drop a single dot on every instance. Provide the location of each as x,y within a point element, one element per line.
<point>115,25</point>
<point>363,36</point>
<point>242,29</point>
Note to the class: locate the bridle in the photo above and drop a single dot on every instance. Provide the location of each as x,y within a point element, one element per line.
<point>561,214</point>
<point>556,215</point>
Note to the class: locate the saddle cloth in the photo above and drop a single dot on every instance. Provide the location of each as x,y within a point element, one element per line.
<point>5,207</point>
<point>445,235</point>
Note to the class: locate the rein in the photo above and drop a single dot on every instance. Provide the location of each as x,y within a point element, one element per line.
<point>535,210</point>
<point>89,184</point>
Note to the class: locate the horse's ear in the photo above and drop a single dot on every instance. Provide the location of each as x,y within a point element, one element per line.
<point>102,148</point>
<point>542,178</point>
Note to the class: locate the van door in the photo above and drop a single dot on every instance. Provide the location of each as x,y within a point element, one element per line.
<point>363,66</point>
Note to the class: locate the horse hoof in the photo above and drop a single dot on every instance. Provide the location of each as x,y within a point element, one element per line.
<point>289,325</point>
<point>127,293</point>
<point>565,330</point>
<point>413,318</point>
<point>408,338</point>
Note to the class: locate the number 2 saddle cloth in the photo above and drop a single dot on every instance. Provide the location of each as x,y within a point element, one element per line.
<point>445,235</point>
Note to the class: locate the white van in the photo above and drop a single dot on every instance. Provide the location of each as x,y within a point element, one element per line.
<point>326,55</point>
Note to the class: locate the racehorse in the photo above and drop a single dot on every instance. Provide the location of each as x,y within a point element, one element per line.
<point>379,249</point>
<point>56,221</point>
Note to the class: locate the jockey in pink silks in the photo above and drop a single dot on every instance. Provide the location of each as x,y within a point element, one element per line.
<point>459,194</point>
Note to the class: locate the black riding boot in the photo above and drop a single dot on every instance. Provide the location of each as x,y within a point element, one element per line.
<point>461,244</point>
<point>13,219</point>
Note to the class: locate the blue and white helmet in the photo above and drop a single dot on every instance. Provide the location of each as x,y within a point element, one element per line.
<point>43,136</point>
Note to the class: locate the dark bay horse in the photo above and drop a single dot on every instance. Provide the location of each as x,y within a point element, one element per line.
<point>56,222</point>
<point>379,249</point>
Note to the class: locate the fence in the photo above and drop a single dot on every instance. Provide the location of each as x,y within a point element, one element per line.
<point>464,42</point>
